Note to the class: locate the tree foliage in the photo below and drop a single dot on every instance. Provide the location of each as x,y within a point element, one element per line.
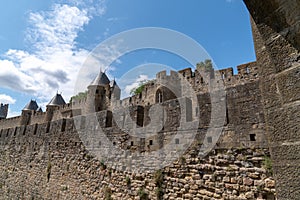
<point>139,89</point>
<point>206,65</point>
<point>80,95</point>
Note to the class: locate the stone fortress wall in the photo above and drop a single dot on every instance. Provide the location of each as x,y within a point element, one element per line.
<point>55,165</point>
<point>47,157</point>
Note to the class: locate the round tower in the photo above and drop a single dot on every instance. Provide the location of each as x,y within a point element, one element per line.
<point>27,111</point>
<point>53,105</point>
<point>98,94</point>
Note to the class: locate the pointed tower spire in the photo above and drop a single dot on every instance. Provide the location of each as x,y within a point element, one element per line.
<point>101,79</point>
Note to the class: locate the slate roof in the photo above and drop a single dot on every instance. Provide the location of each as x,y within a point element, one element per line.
<point>57,100</point>
<point>113,83</point>
<point>32,105</point>
<point>101,79</point>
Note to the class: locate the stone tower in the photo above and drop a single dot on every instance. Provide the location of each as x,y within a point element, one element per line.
<point>98,97</point>
<point>53,105</point>
<point>115,92</point>
<point>27,111</point>
<point>3,111</point>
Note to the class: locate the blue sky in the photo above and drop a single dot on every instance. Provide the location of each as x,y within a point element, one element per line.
<point>43,44</point>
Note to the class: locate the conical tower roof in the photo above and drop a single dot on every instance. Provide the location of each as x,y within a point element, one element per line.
<point>101,79</point>
<point>40,109</point>
<point>32,105</point>
<point>57,100</point>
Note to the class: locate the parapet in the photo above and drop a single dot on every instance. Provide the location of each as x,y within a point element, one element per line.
<point>248,70</point>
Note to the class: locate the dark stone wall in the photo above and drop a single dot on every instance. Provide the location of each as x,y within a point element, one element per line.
<point>276,31</point>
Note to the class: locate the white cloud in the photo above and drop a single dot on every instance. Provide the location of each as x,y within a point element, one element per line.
<point>7,99</point>
<point>135,83</point>
<point>54,60</point>
<point>12,113</point>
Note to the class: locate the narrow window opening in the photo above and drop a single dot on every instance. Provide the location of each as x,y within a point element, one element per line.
<point>63,126</point>
<point>108,122</point>
<point>140,116</point>
<point>176,141</point>
<point>223,75</point>
<point>131,143</point>
<point>24,130</point>
<point>151,142</point>
<point>159,96</point>
<point>209,139</point>
<point>48,127</point>
<point>227,115</point>
<point>35,129</point>
<point>15,132</point>
<point>247,70</point>
<point>252,137</point>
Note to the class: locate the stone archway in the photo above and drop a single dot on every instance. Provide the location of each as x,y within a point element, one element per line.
<point>276,33</point>
<point>164,94</point>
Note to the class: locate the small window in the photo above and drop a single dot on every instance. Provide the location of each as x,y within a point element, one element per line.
<point>197,111</point>
<point>48,127</point>
<point>247,70</point>
<point>97,91</point>
<point>114,143</point>
<point>151,142</point>
<point>15,132</point>
<point>223,75</point>
<point>209,139</point>
<point>252,137</point>
<point>63,126</point>
<point>131,143</point>
<point>176,141</point>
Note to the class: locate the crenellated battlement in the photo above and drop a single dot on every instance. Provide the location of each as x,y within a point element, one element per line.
<point>165,88</point>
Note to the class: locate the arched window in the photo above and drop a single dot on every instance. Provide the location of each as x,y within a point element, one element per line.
<point>164,94</point>
<point>159,96</point>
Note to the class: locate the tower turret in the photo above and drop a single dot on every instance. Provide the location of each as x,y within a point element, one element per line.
<point>115,91</point>
<point>27,111</point>
<point>53,105</point>
<point>98,94</point>
<point>3,111</point>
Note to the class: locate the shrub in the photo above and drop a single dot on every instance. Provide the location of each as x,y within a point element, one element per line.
<point>267,164</point>
<point>139,89</point>
<point>107,193</point>
<point>143,194</point>
<point>128,181</point>
<point>159,180</point>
